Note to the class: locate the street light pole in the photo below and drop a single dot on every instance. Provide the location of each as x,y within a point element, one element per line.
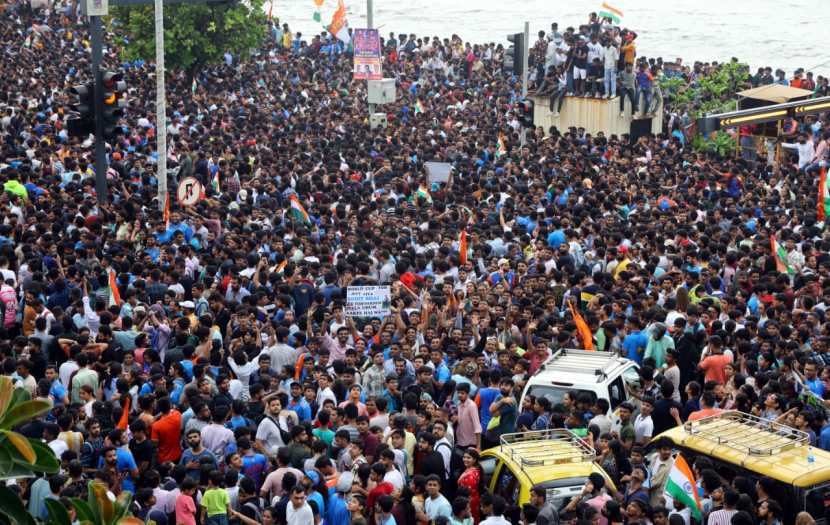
<point>525,67</point>
<point>370,21</point>
<point>161,107</point>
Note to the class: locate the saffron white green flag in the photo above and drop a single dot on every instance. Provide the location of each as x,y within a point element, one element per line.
<point>681,487</point>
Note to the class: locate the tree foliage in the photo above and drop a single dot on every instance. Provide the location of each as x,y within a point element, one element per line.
<point>195,35</point>
<point>712,93</point>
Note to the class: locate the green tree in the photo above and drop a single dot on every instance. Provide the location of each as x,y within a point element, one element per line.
<point>195,35</point>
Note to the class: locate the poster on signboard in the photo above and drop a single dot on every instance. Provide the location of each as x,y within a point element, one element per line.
<point>367,62</point>
<point>368,301</point>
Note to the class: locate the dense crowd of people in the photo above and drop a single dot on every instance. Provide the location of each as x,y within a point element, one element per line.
<point>223,381</point>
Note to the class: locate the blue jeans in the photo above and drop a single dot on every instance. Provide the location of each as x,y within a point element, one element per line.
<point>625,92</point>
<point>646,93</point>
<point>610,82</point>
<point>219,519</point>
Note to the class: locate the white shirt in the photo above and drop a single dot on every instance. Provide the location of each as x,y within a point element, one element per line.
<point>395,478</point>
<point>301,516</point>
<point>58,446</point>
<point>65,372</point>
<point>643,428</point>
<point>268,432</point>
<point>495,520</point>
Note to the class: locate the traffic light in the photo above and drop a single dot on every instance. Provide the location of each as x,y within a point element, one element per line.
<point>81,121</point>
<point>526,113</point>
<point>112,102</point>
<point>514,56</point>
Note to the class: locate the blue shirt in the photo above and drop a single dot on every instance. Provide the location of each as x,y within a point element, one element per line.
<point>337,511</point>
<point>824,438</point>
<point>555,238</point>
<point>486,396</point>
<point>125,463</point>
<point>302,409</point>
<point>632,343</point>
<point>57,391</point>
<point>254,467</point>
<point>816,386</point>
<point>442,373</point>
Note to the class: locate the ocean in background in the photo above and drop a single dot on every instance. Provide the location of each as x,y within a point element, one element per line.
<point>772,33</point>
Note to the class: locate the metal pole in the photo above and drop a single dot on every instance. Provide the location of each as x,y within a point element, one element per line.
<point>370,21</point>
<point>100,149</point>
<point>161,107</point>
<point>525,67</point>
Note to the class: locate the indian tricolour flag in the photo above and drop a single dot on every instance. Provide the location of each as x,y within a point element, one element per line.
<point>780,254</point>
<point>339,27</point>
<point>611,12</point>
<point>823,196</point>
<point>298,211</point>
<point>419,106</point>
<point>501,148</point>
<point>115,295</point>
<point>681,487</point>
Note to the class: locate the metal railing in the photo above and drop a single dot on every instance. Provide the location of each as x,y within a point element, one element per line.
<point>546,447</point>
<point>747,433</point>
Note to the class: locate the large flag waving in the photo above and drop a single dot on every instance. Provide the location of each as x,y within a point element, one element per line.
<point>823,196</point>
<point>582,328</point>
<point>339,27</point>
<point>611,12</point>
<point>780,254</point>
<point>298,211</point>
<point>462,247</point>
<point>681,487</point>
<point>115,295</point>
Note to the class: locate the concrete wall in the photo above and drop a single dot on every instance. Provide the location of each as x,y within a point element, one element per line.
<point>593,114</point>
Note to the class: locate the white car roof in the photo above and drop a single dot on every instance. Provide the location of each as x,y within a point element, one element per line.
<point>594,367</point>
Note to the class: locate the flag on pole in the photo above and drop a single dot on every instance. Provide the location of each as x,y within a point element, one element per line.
<point>780,254</point>
<point>339,27</point>
<point>317,5</point>
<point>582,328</point>
<point>611,12</point>
<point>167,211</point>
<point>214,183</point>
<point>298,211</point>
<point>681,487</point>
<point>115,295</point>
<point>281,266</point>
<point>462,247</point>
<point>501,148</point>
<point>823,196</point>
<point>124,421</point>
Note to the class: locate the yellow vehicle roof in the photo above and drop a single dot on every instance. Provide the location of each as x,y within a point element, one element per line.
<point>771,450</point>
<point>545,456</point>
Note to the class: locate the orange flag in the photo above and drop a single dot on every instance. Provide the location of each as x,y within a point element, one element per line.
<point>167,211</point>
<point>823,196</point>
<point>582,328</point>
<point>462,247</point>
<point>115,295</point>
<point>125,414</point>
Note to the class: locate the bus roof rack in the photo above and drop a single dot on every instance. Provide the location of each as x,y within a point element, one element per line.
<point>538,450</point>
<point>747,433</point>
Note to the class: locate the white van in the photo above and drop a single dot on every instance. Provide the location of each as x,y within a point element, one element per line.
<point>604,375</point>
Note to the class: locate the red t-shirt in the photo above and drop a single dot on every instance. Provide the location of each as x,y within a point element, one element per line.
<point>714,365</point>
<point>167,431</point>
<point>383,488</point>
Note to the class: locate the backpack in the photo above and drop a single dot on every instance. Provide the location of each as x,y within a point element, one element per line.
<point>284,434</point>
<point>456,461</point>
